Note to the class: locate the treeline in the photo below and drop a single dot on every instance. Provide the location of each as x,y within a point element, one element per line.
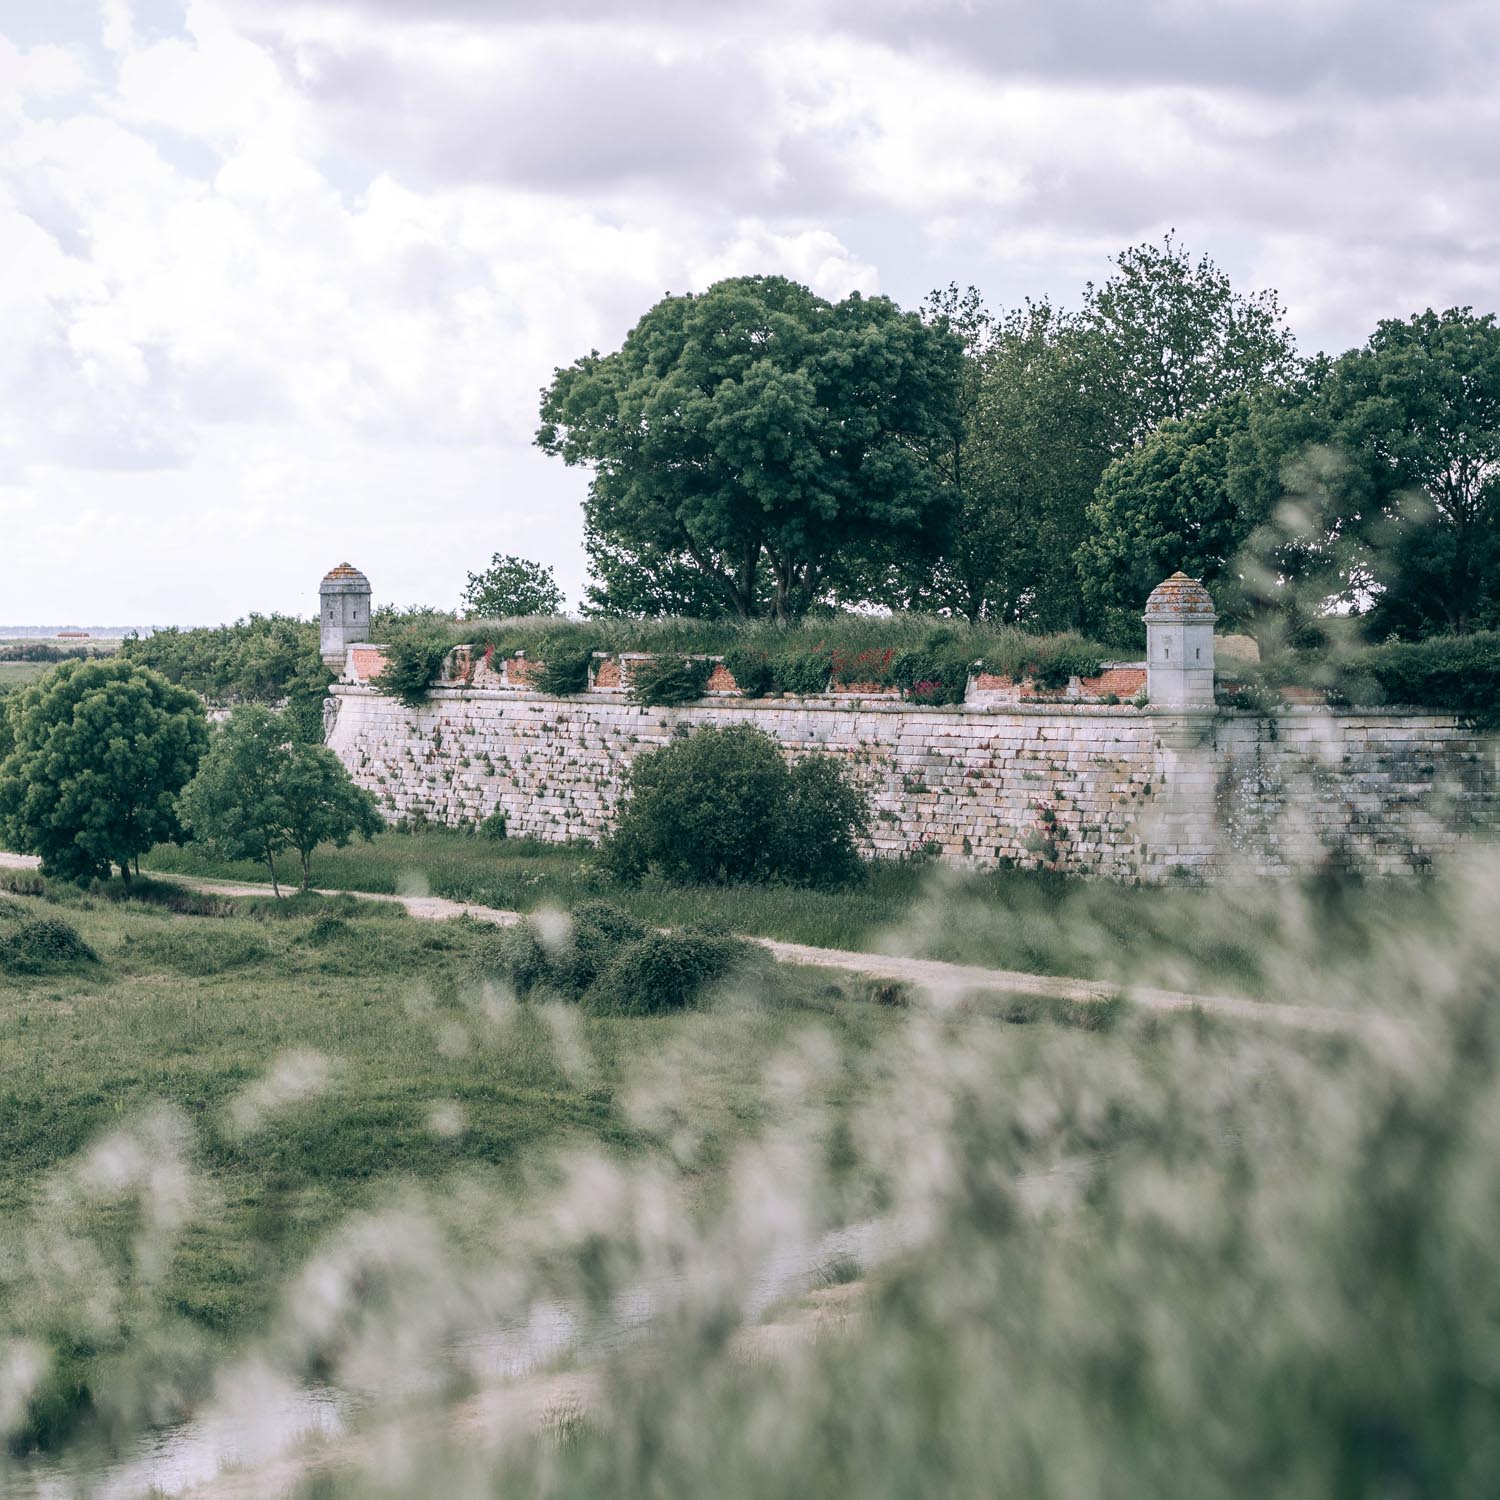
<point>757,451</point>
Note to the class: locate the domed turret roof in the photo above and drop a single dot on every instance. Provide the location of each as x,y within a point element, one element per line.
<point>345,579</point>
<point>1180,598</point>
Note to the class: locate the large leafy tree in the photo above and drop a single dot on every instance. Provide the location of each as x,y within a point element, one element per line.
<point>260,792</point>
<point>100,751</point>
<point>766,436</point>
<point>512,586</point>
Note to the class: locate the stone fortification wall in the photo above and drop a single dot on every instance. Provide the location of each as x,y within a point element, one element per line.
<point>1094,788</point>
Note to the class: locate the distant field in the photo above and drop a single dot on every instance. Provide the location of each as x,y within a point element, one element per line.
<point>13,673</point>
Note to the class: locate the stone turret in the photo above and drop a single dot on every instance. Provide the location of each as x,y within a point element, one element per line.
<point>344,610</point>
<point>1180,644</point>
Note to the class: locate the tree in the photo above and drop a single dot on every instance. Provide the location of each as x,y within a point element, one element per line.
<point>643,582</point>
<point>757,429</point>
<point>1167,336</point>
<point>101,750</point>
<point>323,805</point>
<point>512,586</point>
<point>1030,449</point>
<point>1419,405</point>
<point>260,792</point>
<point>1164,505</point>
<point>235,804</point>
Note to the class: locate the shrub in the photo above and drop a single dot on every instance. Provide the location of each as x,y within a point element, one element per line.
<point>936,675</point>
<point>600,931</point>
<point>664,972</point>
<point>42,943</point>
<point>563,672</point>
<point>669,681</point>
<point>722,805</point>
<point>493,826</point>
<point>533,964</point>
<point>873,665</point>
<point>751,669</point>
<point>413,661</point>
<point>803,672</point>
<point>825,817</point>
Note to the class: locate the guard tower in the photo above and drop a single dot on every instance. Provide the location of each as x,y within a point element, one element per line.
<point>344,611</point>
<point>1180,644</point>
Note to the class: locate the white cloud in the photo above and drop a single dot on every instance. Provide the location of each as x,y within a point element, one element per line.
<point>283,284</point>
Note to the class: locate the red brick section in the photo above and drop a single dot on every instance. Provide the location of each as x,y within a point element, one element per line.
<point>1125,682</point>
<point>519,671</point>
<point>720,680</point>
<point>369,661</point>
<point>607,674</point>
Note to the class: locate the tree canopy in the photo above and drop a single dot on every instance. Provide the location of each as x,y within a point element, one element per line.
<point>512,586</point>
<point>260,792</point>
<point>100,751</point>
<point>768,437</point>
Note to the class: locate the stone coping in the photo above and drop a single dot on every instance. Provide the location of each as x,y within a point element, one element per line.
<point>846,702</point>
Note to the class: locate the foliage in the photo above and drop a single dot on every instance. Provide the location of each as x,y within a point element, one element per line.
<point>563,670</point>
<point>722,805</point>
<point>45,651</point>
<point>669,681</point>
<point>37,945</point>
<point>413,662</point>
<point>270,659</point>
<point>1165,505</point>
<point>1166,337</point>
<point>493,827</point>
<point>645,582</point>
<point>100,751</point>
<point>258,793</point>
<point>752,669</point>
<point>512,586</point>
<point>760,431</point>
<point>1457,674</point>
<point>664,972</point>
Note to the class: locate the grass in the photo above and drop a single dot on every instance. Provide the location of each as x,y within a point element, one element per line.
<point>192,1001</point>
<point>1234,940</point>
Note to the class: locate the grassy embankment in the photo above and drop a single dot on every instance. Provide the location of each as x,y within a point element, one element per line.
<point>1238,940</point>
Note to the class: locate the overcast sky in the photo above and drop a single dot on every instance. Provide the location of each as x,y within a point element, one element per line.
<point>280,280</point>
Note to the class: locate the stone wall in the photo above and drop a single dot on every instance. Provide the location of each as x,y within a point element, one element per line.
<point>1094,788</point>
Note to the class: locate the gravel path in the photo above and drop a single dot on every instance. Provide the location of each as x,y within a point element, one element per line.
<point>944,983</point>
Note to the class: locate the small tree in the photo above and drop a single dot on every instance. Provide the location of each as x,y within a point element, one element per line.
<point>722,805</point>
<point>323,805</point>
<point>100,751</point>
<point>512,586</point>
<point>234,805</point>
<point>260,792</point>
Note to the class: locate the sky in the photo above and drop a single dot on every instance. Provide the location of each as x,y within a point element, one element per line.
<point>281,280</point>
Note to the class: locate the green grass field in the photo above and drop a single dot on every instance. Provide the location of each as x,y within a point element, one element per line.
<point>1235,940</point>
<point>422,1075</point>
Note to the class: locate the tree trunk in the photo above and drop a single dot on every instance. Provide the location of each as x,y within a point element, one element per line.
<point>124,870</point>
<point>271,866</point>
<point>306,872</point>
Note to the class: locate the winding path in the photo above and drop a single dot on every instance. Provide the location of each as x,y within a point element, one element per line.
<point>942,982</point>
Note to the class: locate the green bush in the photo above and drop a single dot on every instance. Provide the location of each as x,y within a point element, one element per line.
<point>801,672</point>
<point>937,675</point>
<point>535,965</point>
<point>494,826</point>
<point>722,805</point>
<point>412,663</point>
<point>752,669</point>
<point>1457,674</point>
<point>563,672</point>
<point>664,972</point>
<point>669,681</point>
<point>42,943</point>
<point>600,931</point>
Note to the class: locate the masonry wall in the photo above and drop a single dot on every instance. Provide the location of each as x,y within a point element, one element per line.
<point>1101,789</point>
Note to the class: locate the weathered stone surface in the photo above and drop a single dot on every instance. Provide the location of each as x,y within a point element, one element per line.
<point>1102,789</point>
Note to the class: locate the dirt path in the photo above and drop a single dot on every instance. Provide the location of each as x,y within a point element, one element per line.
<point>944,983</point>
